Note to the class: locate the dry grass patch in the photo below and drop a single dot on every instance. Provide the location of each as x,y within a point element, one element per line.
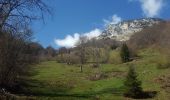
<point>164,81</point>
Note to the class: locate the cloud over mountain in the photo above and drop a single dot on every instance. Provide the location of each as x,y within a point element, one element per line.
<point>71,40</point>
<point>113,20</point>
<point>151,8</point>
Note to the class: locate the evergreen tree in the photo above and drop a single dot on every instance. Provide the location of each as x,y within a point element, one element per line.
<point>132,84</point>
<point>124,53</point>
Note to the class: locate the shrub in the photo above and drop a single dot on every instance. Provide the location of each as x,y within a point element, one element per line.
<point>114,57</point>
<point>15,59</point>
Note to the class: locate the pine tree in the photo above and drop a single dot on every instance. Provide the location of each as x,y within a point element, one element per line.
<point>124,53</point>
<point>132,84</point>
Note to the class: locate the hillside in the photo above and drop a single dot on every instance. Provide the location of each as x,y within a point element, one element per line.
<point>157,35</point>
<point>58,81</point>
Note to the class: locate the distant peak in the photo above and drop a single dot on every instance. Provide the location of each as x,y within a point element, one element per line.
<point>123,30</point>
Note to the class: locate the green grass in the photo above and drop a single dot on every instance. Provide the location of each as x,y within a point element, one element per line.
<point>54,81</point>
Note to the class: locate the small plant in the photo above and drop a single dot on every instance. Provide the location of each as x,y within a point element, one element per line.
<point>124,53</point>
<point>132,84</point>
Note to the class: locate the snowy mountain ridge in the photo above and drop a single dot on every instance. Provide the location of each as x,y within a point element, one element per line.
<point>122,31</point>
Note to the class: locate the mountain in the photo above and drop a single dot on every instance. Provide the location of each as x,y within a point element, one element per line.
<point>125,29</point>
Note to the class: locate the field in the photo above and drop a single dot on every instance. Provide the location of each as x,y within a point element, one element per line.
<point>55,81</point>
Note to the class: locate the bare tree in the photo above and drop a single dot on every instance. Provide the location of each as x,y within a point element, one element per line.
<point>20,12</point>
<point>96,53</point>
<point>61,53</point>
<point>82,49</point>
<point>50,53</point>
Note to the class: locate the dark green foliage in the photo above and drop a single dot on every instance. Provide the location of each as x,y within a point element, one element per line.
<point>124,53</point>
<point>132,84</point>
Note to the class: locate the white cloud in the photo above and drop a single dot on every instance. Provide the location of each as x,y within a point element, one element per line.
<point>151,8</point>
<point>114,20</point>
<point>94,33</point>
<point>70,41</point>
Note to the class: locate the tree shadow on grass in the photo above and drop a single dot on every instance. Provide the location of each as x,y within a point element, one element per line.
<point>144,95</point>
<point>90,94</point>
<point>62,91</point>
<point>28,85</point>
<point>148,94</point>
<point>38,88</point>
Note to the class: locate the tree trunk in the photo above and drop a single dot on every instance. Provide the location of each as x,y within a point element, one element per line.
<point>81,68</point>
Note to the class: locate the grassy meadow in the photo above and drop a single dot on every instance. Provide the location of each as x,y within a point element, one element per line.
<point>56,81</point>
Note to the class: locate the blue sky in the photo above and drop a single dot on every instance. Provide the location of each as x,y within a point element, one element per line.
<point>72,18</point>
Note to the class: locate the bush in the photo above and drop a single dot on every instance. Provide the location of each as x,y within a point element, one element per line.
<point>114,57</point>
<point>15,58</point>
